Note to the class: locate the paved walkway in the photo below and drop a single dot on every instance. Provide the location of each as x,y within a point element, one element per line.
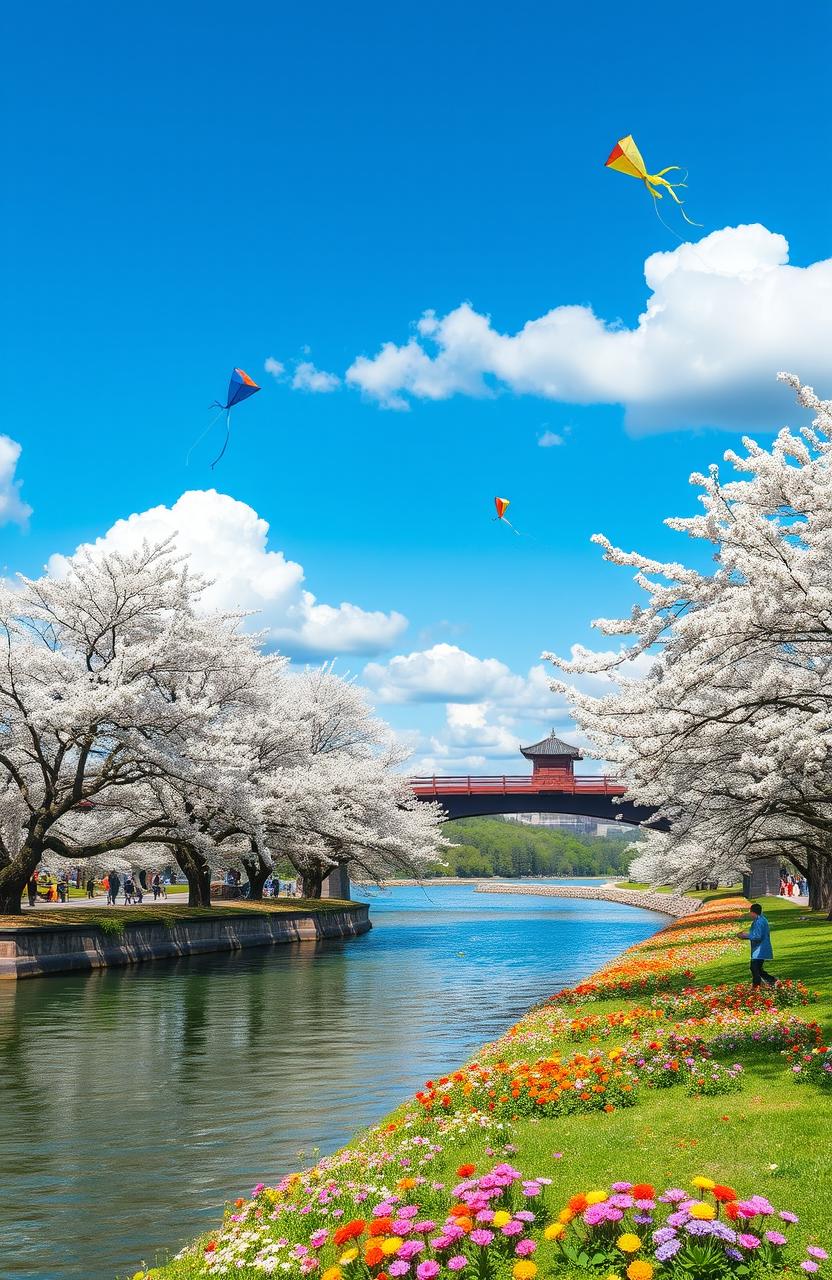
<point>100,900</point>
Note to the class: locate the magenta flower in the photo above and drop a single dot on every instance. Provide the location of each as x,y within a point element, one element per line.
<point>423,1228</point>
<point>748,1241</point>
<point>410,1249</point>
<point>809,1265</point>
<point>817,1252</point>
<point>481,1237</point>
<point>458,1262</point>
<point>525,1248</point>
<point>427,1270</point>
<point>786,1216</point>
<point>776,1237</point>
<point>398,1268</point>
<point>512,1229</point>
<point>621,1186</point>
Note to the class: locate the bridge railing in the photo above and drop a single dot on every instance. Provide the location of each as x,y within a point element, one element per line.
<point>505,784</point>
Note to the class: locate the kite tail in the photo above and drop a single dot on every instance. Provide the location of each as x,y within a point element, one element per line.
<point>227,438</point>
<point>659,180</point>
<point>200,438</point>
<point>502,520</point>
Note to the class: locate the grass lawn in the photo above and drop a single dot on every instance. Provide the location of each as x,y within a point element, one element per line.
<point>170,912</point>
<point>773,1138</point>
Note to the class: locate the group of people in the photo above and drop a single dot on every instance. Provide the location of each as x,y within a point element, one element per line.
<point>793,886</point>
<point>135,887</point>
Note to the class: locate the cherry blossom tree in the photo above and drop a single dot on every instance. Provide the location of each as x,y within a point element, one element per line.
<point>727,736</point>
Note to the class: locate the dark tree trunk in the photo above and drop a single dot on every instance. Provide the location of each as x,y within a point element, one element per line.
<point>311,882</point>
<point>13,879</point>
<point>820,882</point>
<point>257,873</point>
<point>197,873</point>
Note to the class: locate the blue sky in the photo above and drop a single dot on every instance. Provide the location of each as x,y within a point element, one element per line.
<point>193,187</point>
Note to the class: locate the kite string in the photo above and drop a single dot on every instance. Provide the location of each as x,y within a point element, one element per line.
<point>227,438</point>
<point>199,440</point>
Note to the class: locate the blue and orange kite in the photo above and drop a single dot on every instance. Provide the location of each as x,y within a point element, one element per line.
<point>240,388</point>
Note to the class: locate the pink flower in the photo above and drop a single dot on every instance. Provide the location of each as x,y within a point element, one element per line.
<point>525,1248</point>
<point>255,1191</point>
<point>775,1237</point>
<point>748,1241</point>
<point>809,1265</point>
<point>481,1237</point>
<point>817,1252</point>
<point>398,1268</point>
<point>427,1270</point>
<point>318,1238</point>
<point>457,1262</point>
<point>410,1249</point>
<point>512,1229</point>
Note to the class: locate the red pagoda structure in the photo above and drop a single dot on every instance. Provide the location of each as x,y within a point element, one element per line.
<point>552,758</point>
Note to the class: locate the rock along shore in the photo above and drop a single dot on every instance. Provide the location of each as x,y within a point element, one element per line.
<point>669,904</point>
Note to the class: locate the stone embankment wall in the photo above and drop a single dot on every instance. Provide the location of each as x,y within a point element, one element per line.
<point>33,951</point>
<point>669,904</point>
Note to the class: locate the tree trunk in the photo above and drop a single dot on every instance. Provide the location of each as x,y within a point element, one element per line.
<point>197,873</point>
<point>257,873</point>
<point>13,879</point>
<point>311,882</point>
<point>820,882</point>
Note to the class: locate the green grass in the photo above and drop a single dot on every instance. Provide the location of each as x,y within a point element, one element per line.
<point>166,912</point>
<point>640,884</point>
<point>773,1138</point>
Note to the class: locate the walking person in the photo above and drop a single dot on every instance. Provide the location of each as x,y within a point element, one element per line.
<point>32,890</point>
<point>759,935</point>
<point>114,886</point>
<point>157,885</point>
<point>90,887</point>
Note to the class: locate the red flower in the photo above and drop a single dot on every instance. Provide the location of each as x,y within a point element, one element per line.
<point>381,1226</point>
<point>644,1191</point>
<point>465,1170</point>
<point>348,1231</point>
<point>732,1210</point>
<point>210,1246</point>
<point>724,1194</point>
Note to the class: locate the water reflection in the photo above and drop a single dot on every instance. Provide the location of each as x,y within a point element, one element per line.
<point>135,1102</point>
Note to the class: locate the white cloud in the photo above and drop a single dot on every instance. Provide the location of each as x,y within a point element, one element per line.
<point>13,510</point>
<point>228,544</point>
<point>721,318</point>
<point>275,367</point>
<point>550,439</point>
<point>443,673</point>
<point>308,378</point>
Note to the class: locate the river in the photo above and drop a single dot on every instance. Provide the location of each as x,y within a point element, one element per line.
<point>134,1103</point>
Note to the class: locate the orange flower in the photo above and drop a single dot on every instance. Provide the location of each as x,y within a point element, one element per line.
<point>640,1271</point>
<point>732,1210</point>
<point>577,1203</point>
<point>465,1170</point>
<point>645,1191</point>
<point>406,1184</point>
<point>724,1194</point>
<point>381,1226</point>
<point>348,1231</point>
<point>373,1255</point>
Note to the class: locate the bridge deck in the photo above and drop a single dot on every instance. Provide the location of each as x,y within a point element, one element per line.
<point>525,784</point>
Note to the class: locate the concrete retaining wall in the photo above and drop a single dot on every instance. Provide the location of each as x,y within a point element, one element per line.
<point>669,904</point>
<point>33,951</point>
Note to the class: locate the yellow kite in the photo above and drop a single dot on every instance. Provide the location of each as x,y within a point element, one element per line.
<point>626,158</point>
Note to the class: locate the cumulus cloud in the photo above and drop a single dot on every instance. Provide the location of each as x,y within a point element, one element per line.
<point>275,367</point>
<point>550,439</point>
<point>722,316</point>
<point>228,543</point>
<point>13,510</point>
<point>308,378</point>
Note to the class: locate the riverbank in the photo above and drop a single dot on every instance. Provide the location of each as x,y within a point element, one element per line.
<point>45,942</point>
<point>670,904</point>
<point>567,1101</point>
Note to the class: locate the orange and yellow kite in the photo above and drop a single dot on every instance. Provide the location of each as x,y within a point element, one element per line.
<point>625,157</point>
<point>502,505</point>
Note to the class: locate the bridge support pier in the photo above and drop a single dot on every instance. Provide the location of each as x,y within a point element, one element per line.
<point>337,883</point>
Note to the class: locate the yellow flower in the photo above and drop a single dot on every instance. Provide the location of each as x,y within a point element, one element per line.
<point>565,1215</point>
<point>595,1197</point>
<point>391,1245</point>
<point>628,1243</point>
<point>640,1271</point>
<point>524,1270</point>
<point>501,1218</point>
<point>613,1275</point>
<point>349,1255</point>
<point>704,1184</point>
<point>702,1210</point>
<point>332,1273</point>
<point>554,1231</point>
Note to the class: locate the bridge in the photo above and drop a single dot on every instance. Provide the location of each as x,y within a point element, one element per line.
<point>552,791</point>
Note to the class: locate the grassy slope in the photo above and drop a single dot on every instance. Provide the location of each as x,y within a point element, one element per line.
<point>774,1137</point>
<point>166,912</point>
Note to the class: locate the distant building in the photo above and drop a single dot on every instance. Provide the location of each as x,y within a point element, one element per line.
<point>552,756</point>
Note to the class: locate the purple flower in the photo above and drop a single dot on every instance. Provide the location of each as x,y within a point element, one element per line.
<point>645,1204</point>
<point>532,1188</point>
<point>667,1250</point>
<point>809,1265</point>
<point>621,1186</point>
<point>457,1263</point>
<point>481,1237</point>
<point>697,1228</point>
<point>776,1237</point>
<point>673,1195</point>
<point>410,1249</point>
<point>663,1235</point>
<point>427,1270</point>
<point>398,1268</point>
<point>621,1201</point>
<point>643,1219</point>
<point>524,1215</point>
<point>786,1216</point>
<point>814,1250</point>
<point>525,1248</point>
<point>677,1219</point>
<point>734,1254</point>
<point>748,1241</point>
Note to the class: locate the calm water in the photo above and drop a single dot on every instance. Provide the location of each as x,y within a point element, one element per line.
<point>134,1103</point>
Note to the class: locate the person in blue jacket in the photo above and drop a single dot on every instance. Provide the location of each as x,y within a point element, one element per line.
<point>759,935</point>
